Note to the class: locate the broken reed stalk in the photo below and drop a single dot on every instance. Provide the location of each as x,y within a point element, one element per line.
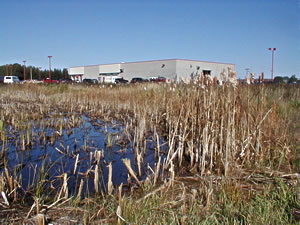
<point>37,204</point>
<point>172,171</point>
<point>9,180</point>
<point>158,145</point>
<point>110,184</point>
<point>96,179</point>
<point>131,172</point>
<point>65,186</point>
<point>64,189</point>
<point>41,220</point>
<point>97,156</point>
<point>5,198</point>
<point>139,159</point>
<point>157,171</point>
<point>75,166</point>
<point>120,193</point>
<point>80,189</point>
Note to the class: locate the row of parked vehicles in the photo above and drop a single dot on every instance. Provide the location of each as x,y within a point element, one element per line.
<point>114,80</point>
<point>15,79</point>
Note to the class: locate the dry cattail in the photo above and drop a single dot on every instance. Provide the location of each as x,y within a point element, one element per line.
<point>96,179</point>
<point>76,162</point>
<point>80,189</point>
<point>110,184</point>
<point>131,172</point>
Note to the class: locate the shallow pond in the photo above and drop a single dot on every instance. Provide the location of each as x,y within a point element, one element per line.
<point>73,152</point>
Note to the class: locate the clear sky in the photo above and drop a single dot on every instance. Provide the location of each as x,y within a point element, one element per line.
<point>87,32</point>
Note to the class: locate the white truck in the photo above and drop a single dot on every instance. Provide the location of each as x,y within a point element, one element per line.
<point>11,79</point>
<point>108,79</point>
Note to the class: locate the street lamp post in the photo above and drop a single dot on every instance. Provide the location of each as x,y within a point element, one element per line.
<point>247,71</point>
<point>24,70</point>
<point>49,66</point>
<point>272,70</point>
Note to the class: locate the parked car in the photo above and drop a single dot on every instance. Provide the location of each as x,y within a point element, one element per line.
<point>11,79</point>
<point>90,81</point>
<point>48,81</point>
<point>1,79</point>
<point>157,79</point>
<point>108,79</point>
<point>65,80</point>
<point>137,80</point>
<point>151,79</point>
<point>121,81</point>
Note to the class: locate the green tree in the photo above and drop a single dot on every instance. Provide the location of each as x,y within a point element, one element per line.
<point>66,73</point>
<point>293,79</point>
<point>278,79</point>
<point>18,70</point>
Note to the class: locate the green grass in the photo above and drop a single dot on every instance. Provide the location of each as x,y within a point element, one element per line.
<point>275,204</point>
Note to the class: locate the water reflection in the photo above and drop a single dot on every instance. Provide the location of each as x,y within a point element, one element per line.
<point>73,151</point>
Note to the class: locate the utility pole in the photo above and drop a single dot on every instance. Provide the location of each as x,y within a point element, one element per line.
<point>49,66</point>
<point>24,70</point>
<point>272,70</point>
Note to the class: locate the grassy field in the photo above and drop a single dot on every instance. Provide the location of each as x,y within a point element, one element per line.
<point>233,154</point>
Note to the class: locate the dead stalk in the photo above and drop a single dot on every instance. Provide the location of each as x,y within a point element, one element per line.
<point>110,184</point>
<point>96,180</point>
<point>131,172</point>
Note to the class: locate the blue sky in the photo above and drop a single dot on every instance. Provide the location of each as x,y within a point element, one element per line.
<point>91,32</point>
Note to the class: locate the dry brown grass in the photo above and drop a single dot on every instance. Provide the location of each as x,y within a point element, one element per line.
<point>214,132</point>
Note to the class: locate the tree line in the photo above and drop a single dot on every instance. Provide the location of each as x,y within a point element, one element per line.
<point>32,72</point>
<point>285,79</point>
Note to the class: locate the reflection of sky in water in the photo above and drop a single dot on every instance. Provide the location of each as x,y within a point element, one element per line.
<point>91,134</point>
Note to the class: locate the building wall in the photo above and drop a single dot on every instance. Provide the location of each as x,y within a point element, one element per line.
<point>147,69</point>
<point>109,68</point>
<point>187,68</point>
<point>175,69</point>
<point>77,70</point>
<point>91,72</point>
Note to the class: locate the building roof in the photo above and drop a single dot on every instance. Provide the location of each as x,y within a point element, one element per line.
<point>157,60</point>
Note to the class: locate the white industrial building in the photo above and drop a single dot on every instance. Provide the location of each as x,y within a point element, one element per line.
<point>172,69</point>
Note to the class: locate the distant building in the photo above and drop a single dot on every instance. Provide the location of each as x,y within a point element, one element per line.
<point>172,69</point>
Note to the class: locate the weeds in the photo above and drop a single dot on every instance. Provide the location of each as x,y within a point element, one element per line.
<point>217,152</point>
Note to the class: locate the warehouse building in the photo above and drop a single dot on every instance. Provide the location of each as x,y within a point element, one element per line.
<point>172,69</point>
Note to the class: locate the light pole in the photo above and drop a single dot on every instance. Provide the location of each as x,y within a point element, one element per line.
<point>247,71</point>
<point>49,66</point>
<point>40,73</point>
<point>272,70</point>
<point>24,70</point>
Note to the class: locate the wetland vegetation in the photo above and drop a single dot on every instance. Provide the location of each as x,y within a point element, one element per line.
<point>149,154</point>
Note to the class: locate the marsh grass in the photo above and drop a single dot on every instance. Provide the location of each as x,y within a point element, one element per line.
<point>226,204</point>
<point>219,151</point>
